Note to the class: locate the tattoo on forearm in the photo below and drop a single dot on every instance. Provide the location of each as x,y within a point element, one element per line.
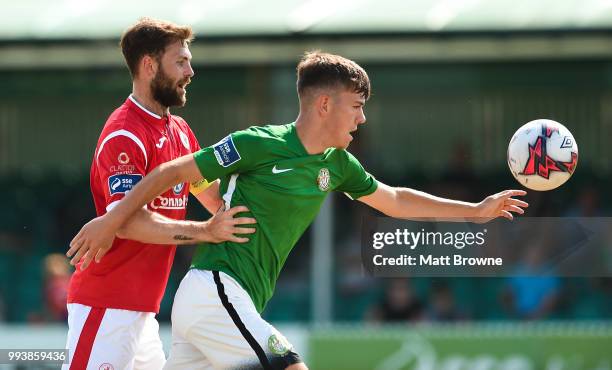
<point>182,237</point>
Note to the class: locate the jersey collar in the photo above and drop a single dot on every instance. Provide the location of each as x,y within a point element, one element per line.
<point>296,140</point>
<point>144,112</point>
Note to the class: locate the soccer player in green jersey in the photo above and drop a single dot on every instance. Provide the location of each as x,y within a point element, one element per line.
<point>281,174</point>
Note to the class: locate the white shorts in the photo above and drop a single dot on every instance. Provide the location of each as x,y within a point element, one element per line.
<point>216,326</point>
<point>111,339</point>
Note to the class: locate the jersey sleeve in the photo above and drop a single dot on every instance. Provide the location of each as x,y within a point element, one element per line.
<point>357,182</point>
<point>236,153</point>
<point>122,163</point>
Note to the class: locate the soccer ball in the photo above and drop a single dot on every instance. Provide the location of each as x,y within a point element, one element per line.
<point>542,154</point>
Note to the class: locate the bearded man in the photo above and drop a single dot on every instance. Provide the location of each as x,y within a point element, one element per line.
<point>112,303</point>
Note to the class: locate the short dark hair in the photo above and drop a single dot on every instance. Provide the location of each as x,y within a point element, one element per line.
<point>151,37</point>
<point>317,69</point>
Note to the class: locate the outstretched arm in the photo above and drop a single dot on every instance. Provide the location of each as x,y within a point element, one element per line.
<point>413,204</point>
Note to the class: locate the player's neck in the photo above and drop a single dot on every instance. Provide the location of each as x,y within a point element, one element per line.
<point>145,98</point>
<point>308,133</point>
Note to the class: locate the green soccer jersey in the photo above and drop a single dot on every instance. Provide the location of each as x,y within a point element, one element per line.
<point>268,170</point>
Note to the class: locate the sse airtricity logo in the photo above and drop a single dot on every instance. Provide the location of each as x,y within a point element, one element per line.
<point>122,183</point>
<point>115,184</point>
<point>225,151</point>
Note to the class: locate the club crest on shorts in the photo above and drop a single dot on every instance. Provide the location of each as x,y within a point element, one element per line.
<point>278,344</point>
<point>323,179</point>
<point>106,366</point>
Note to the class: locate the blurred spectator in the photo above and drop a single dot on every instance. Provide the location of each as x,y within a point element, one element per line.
<point>57,278</point>
<point>399,303</point>
<point>458,179</point>
<point>356,289</point>
<point>587,204</point>
<point>533,292</point>
<point>460,168</point>
<point>442,305</point>
<point>351,277</point>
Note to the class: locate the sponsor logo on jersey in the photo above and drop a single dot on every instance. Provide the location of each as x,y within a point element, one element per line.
<point>226,152</point>
<point>122,168</point>
<point>162,202</point>
<point>123,158</point>
<point>161,142</point>
<point>118,184</point>
<point>323,179</point>
<point>178,188</point>
<point>185,140</point>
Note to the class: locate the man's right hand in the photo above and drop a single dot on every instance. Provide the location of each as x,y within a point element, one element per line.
<point>223,226</point>
<point>93,241</point>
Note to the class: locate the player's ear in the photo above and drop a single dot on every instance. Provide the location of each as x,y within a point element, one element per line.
<point>323,103</point>
<point>148,66</point>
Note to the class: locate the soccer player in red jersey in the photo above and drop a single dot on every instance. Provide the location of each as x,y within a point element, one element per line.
<point>112,304</point>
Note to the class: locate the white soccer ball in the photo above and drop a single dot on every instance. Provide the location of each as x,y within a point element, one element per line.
<point>542,154</point>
